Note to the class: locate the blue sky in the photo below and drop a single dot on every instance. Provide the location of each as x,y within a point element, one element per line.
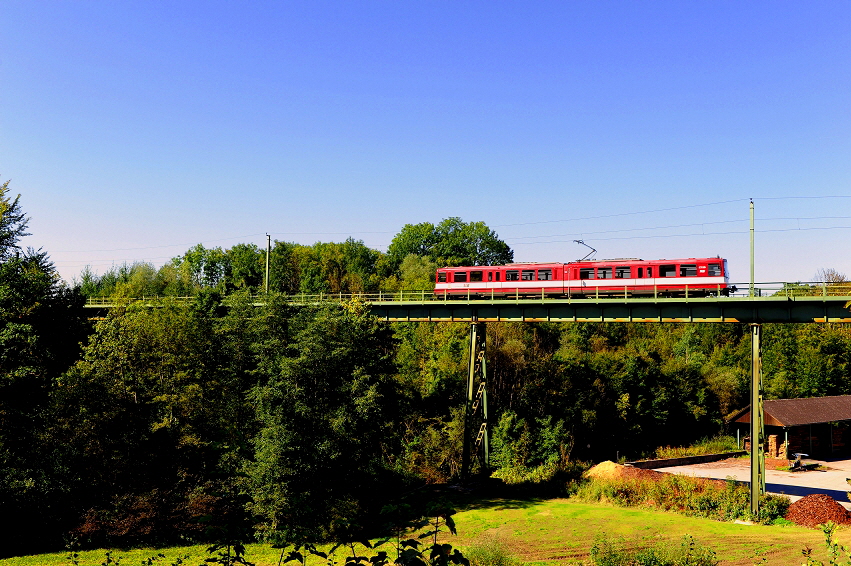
<point>134,130</point>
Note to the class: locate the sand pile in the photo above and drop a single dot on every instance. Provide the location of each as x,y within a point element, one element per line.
<point>605,470</point>
<point>610,470</point>
<point>816,509</point>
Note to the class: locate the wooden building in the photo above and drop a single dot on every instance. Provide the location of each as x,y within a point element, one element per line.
<point>818,426</point>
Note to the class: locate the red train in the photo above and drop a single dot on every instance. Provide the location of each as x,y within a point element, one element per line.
<point>692,277</point>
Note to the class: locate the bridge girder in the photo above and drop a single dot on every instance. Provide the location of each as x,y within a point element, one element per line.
<point>714,309</point>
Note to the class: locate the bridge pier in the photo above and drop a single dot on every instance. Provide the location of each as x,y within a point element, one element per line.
<point>757,420</point>
<point>476,413</point>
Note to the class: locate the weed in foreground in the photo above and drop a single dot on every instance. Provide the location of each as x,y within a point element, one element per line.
<point>688,552</point>
<point>490,552</point>
<point>835,551</point>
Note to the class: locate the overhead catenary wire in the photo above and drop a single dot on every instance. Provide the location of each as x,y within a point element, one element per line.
<point>709,223</point>
<point>690,235</point>
<point>683,207</point>
<point>576,219</point>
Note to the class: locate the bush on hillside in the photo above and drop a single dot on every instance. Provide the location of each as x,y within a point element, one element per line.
<point>699,497</point>
<point>716,445</point>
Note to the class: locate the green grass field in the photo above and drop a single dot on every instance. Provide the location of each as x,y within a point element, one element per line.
<point>555,531</point>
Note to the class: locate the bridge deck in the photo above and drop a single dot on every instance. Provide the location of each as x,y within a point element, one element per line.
<point>422,307</point>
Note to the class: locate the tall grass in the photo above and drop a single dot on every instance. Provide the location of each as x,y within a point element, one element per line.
<point>696,497</point>
<point>490,552</point>
<point>687,552</point>
<point>715,445</point>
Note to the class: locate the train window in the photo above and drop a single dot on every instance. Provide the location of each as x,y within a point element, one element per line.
<point>622,272</point>
<point>667,271</point>
<point>441,277</point>
<point>640,272</point>
<point>586,273</point>
<point>688,270</point>
<point>649,272</point>
<point>476,276</point>
<point>490,275</point>
<point>512,275</point>
<point>496,276</point>
<point>714,269</point>
<point>528,275</point>
<point>604,273</point>
<point>545,274</point>
<point>460,276</point>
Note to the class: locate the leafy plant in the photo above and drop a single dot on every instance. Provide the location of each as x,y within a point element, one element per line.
<point>228,554</point>
<point>834,549</point>
<point>412,551</point>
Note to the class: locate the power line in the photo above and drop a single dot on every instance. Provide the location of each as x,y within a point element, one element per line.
<point>584,233</point>
<point>156,247</point>
<point>622,214</point>
<point>693,234</point>
<point>669,209</point>
<point>803,197</point>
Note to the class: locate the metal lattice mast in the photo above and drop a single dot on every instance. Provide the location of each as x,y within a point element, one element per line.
<point>476,413</point>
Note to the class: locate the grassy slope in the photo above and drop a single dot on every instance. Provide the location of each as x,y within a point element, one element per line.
<point>551,532</point>
<point>562,531</point>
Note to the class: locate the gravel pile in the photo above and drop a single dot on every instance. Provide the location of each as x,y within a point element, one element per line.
<point>813,510</point>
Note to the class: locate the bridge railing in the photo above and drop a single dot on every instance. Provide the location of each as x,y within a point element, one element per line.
<point>797,289</point>
<point>770,289</point>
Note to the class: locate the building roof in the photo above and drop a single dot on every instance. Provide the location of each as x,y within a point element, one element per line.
<point>795,412</point>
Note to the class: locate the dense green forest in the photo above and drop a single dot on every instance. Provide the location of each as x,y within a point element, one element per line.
<point>213,415</point>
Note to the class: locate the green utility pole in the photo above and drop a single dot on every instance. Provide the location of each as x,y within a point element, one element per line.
<point>751,293</point>
<point>268,251</point>
<point>757,421</point>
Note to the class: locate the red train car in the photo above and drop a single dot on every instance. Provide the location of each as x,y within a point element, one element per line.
<point>692,277</point>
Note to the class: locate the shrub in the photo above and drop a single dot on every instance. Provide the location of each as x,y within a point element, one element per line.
<point>715,445</point>
<point>555,479</point>
<point>698,497</point>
